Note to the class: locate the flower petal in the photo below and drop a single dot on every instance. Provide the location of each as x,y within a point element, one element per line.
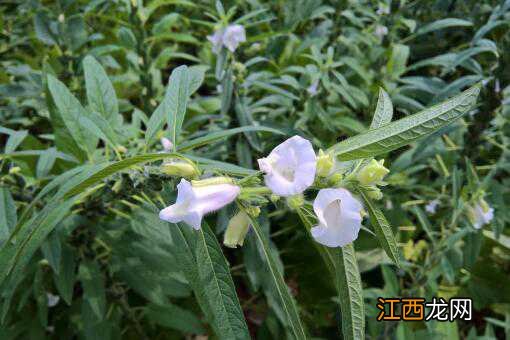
<point>339,215</point>
<point>290,168</point>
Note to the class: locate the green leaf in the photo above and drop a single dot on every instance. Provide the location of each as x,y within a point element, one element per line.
<point>52,251</point>
<point>71,110</point>
<point>66,277</point>
<point>107,169</point>
<point>216,135</point>
<point>99,127</point>
<point>343,266</point>
<point>217,284</point>
<point>213,165</point>
<point>286,299</point>
<point>92,282</point>
<point>100,92</point>
<point>180,86</point>
<point>443,23</point>
<point>406,130</point>
<point>382,228</point>
<point>199,257</point>
<point>179,89</point>
<point>15,139</point>
<point>64,141</point>
<point>15,255</point>
<point>46,162</point>
<point>383,111</point>
<point>8,215</point>
<point>175,317</point>
<point>350,293</point>
<point>43,30</point>
<point>398,60</point>
<point>424,222</point>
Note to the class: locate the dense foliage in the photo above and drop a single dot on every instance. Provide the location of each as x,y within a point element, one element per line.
<point>89,89</point>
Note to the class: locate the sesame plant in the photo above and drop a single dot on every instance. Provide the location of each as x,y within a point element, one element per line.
<point>259,169</point>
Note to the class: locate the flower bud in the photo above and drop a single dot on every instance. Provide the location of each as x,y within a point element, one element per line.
<point>295,201</point>
<point>335,179</point>
<point>212,181</point>
<point>325,163</point>
<point>253,211</point>
<point>372,173</point>
<point>375,193</point>
<point>121,149</point>
<point>237,229</point>
<point>179,167</point>
<point>274,198</point>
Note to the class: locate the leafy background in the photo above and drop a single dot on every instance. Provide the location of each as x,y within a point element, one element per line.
<point>71,224</point>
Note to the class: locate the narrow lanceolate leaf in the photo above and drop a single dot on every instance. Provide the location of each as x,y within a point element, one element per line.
<point>218,286</point>
<point>351,293</point>
<point>443,23</point>
<point>100,92</point>
<point>406,130</point>
<point>173,107</point>
<point>109,169</point>
<point>382,229</point>
<point>216,135</point>
<point>342,265</point>
<point>383,111</point>
<point>179,89</point>
<point>199,256</point>
<point>71,110</point>
<point>287,301</point>
<point>15,255</point>
<point>7,214</point>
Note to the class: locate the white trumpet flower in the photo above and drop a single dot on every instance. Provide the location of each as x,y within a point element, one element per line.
<point>480,214</point>
<point>193,202</point>
<point>290,167</point>
<point>339,215</point>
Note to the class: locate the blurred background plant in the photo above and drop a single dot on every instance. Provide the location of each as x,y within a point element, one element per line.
<point>307,67</point>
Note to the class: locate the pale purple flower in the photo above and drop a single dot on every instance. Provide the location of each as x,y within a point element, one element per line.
<point>431,207</point>
<point>230,37</point>
<point>381,31</point>
<point>313,88</point>
<point>383,9</point>
<point>234,35</point>
<point>217,40</point>
<point>497,86</point>
<point>339,215</point>
<point>193,202</point>
<point>167,144</point>
<point>480,214</point>
<point>290,167</point>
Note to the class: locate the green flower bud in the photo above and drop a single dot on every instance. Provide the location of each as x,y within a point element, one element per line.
<point>325,163</point>
<point>335,179</point>
<point>180,168</point>
<point>212,181</point>
<point>295,201</point>
<point>274,198</point>
<point>253,211</point>
<point>375,193</point>
<point>372,173</point>
<point>237,229</point>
